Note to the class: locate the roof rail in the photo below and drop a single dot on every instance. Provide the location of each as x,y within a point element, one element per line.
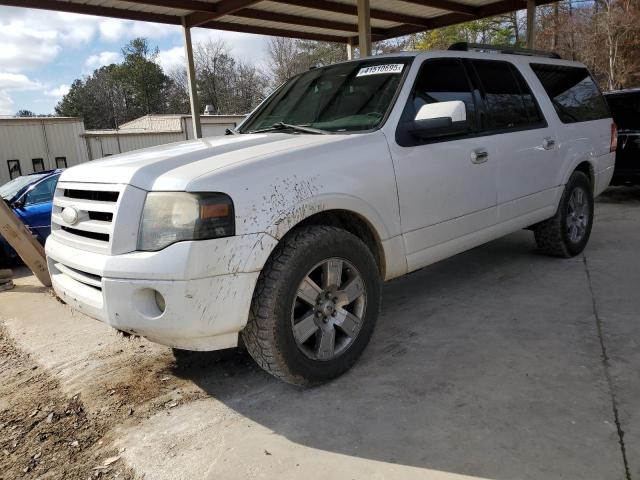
<point>481,47</point>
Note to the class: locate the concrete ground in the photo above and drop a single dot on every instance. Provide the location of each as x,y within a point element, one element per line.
<point>499,363</point>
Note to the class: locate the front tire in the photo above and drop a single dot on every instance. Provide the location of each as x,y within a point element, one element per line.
<point>566,233</point>
<point>314,307</point>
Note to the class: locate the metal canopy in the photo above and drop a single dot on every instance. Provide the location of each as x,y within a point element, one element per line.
<point>325,20</point>
<point>353,22</point>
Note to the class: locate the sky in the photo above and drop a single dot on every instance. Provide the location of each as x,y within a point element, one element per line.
<point>43,52</point>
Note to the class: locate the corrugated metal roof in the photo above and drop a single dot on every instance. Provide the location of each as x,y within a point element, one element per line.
<point>164,123</point>
<point>329,20</point>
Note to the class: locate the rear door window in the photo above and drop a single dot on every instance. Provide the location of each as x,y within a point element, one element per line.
<point>574,94</point>
<point>508,99</point>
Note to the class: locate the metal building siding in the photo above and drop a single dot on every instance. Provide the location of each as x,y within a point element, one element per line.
<point>135,142</point>
<point>65,140</point>
<point>24,139</point>
<point>23,142</point>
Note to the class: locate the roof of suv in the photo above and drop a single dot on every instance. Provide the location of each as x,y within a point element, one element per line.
<point>493,55</point>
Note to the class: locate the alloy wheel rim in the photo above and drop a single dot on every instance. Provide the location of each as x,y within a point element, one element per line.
<point>577,215</point>
<point>328,309</point>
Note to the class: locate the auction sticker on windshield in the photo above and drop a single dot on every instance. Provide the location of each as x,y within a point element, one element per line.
<point>381,69</point>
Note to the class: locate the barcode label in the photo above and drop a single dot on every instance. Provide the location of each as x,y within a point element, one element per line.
<point>381,69</point>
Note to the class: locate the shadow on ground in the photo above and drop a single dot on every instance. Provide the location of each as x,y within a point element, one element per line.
<point>485,364</point>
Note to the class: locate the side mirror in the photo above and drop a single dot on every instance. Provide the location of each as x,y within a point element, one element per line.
<point>440,119</point>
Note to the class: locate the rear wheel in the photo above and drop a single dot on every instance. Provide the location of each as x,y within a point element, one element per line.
<point>566,233</point>
<point>314,307</point>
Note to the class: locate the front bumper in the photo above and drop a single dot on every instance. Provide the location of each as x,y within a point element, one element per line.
<point>207,288</point>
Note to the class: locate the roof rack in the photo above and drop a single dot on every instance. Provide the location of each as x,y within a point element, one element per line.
<point>481,47</point>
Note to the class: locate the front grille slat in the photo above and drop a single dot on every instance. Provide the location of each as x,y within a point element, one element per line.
<point>95,195</point>
<point>101,216</point>
<point>86,278</point>
<point>103,237</point>
<point>96,206</point>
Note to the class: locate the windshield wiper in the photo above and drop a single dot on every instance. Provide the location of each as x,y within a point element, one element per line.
<point>289,126</point>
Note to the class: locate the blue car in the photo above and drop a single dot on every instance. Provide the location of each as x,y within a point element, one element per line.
<point>30,197</point>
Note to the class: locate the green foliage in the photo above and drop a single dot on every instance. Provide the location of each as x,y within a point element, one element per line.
<point>117,93</point>
<point>500,30</point>
<point>25,113</point>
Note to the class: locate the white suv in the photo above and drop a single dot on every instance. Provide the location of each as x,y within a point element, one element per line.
<point>280,233</point>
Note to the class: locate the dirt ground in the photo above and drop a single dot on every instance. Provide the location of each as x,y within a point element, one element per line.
<point>45,433</point>
<point>48,433</point>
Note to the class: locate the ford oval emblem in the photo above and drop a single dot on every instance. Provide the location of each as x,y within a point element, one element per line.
<point>70,215</point>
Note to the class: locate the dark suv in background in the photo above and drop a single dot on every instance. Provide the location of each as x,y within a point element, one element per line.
<point>625,109</point>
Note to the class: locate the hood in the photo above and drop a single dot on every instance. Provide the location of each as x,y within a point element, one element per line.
<point>172,166</point>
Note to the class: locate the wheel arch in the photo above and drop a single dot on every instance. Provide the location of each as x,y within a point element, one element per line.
<point>349,213</point>
<point>588,169</point>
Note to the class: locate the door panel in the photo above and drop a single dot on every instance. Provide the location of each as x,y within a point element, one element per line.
<point>446,189</point>
<point>526,147</point>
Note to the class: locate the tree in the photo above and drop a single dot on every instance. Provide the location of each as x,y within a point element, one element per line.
<point>229,85</point>
<point>25,113</point>
<point>289,57</point>
<point>116,93</point>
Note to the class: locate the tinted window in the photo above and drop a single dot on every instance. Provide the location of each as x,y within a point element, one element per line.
<point>573,93</point>
<point>14,168</point>
<point>43,192</point>
<point>442,80</point>
<point>38,165</point>
<point>625,109</point>
<point>61,162</point>
<point>508,98</point>
<point>528,100</point>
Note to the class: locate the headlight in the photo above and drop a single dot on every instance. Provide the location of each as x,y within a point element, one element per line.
<point>170,217</point>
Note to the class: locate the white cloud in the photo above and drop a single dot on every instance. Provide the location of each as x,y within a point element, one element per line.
<point>59,91</point>
<point>244,46</point>
<point>114,30</point>
<point>6,104</point>
<point>169,59</point>
<point>101,59</point>
<point>13,82</point>
<point>17,81</point>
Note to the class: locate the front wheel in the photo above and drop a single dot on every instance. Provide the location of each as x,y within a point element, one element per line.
<point>314,307</point>
<point>566,233</point>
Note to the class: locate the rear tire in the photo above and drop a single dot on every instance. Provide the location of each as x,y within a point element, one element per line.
<point>566,233</point>
<point>314,307</point>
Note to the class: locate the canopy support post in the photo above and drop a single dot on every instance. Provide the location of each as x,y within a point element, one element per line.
<point>350,49</point>
<point>364,28</point>
<point>191,80</point>
<point>531,23</point>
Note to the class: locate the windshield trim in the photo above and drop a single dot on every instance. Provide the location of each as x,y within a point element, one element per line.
<point>404,58</point>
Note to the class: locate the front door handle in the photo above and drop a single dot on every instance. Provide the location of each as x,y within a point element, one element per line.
<point>479,156</point>
<point>549,143</point>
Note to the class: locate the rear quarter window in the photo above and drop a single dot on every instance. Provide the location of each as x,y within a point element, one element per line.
<point>574,94</point>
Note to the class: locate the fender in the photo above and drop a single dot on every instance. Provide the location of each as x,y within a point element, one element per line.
<point>578,151</point>
<point>392,245</point>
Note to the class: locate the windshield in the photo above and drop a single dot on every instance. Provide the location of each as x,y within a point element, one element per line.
<point>9,190</point>
<point>347,97</point>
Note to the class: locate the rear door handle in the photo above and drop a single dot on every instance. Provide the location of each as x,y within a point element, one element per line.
<point>549,143</point>
<point>479,156</point>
